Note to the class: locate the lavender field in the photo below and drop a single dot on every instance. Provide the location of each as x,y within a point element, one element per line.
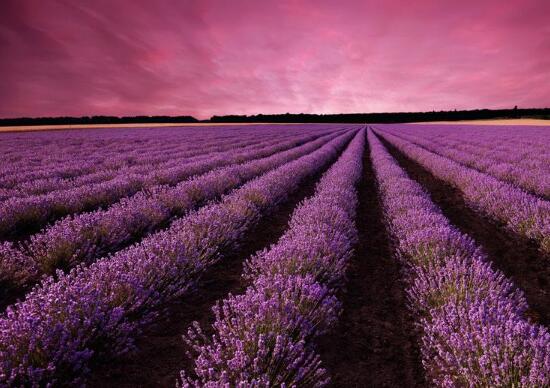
<point>411,255</point>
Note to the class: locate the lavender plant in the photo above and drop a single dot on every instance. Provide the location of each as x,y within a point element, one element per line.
<point>16,213</point>
<point>471,318</point>
<point>97,311</point>
<point>86,237</point>
<point>263,338</point>
<point>523,213</point>
<point>515,155</point>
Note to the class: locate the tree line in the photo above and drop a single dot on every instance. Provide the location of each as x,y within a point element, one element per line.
<point>65,120</point>
<point>397,117</point>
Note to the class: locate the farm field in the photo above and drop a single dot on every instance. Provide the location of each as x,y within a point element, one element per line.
<point>309,255</point>
<point>505,122</point>
<point>63,127</point>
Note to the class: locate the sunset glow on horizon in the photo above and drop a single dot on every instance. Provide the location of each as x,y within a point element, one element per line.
<point>203,58</point>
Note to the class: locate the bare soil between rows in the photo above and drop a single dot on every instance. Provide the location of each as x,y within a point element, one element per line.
<point>517,257</point>
<point>161,353</point>
<point>375,343</point>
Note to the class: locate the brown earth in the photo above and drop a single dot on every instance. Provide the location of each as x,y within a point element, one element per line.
<point>375,344</point>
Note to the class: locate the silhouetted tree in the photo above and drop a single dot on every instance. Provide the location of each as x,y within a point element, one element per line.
<point>96,120</point>
<point>399,117</point>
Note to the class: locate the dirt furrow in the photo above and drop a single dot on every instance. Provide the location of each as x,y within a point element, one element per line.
<point>375,344</point>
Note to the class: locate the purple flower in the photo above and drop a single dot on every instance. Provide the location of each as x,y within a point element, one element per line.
<point>473,331</point>
<point>97,311</point>
<point>263,338</point>
<point>524,213</point>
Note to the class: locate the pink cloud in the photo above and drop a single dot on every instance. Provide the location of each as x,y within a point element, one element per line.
<point>217,57</point>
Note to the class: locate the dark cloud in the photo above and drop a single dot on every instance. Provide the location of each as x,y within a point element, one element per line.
<point>215,57</point>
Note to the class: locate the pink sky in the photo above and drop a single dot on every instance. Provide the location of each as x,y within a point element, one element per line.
<point>206,57</point>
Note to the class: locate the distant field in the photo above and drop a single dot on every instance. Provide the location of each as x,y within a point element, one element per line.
<point>25,128</point>
<point>28,128</point>
<point>493,122</point>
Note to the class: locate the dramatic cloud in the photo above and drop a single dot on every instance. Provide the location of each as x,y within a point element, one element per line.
<point>208,57</point>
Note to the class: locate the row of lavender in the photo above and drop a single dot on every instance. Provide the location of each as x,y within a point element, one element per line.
<point>19,151</point>
<point>88,193</point>
<point>523,213</point>
<point>20,214</point>
<point>510,158</point>
<point>34,157</point>
<point>86,237</point>
<point>504,138</point>
<point>76,169</point>
<point>51,153</point>
<point>471,318</point>
<point>265,336</point>
<point>500,142</point>
<point>84,172</point>
<point>97,311</point>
